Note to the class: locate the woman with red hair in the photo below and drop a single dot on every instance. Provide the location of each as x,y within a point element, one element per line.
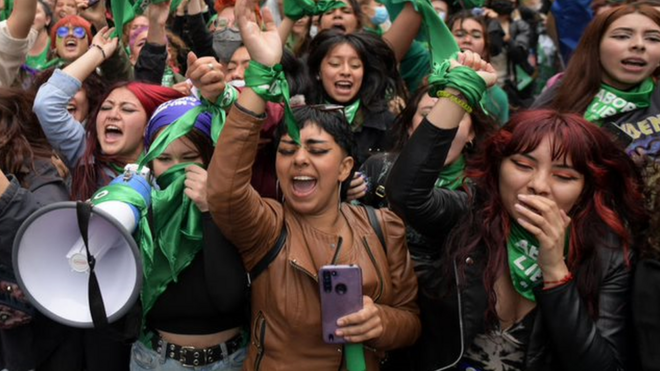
<point>70,38</point>
<point>114,135</point>
<point>536,271</point>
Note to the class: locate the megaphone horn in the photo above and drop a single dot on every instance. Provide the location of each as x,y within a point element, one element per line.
<point>50,259</point>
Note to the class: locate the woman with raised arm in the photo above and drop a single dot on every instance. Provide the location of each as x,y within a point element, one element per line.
<point>536,272</point>
<point>320,229</point>
<point>95,154</point>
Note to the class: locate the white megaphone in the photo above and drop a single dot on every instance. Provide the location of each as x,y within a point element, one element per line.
<point>50,257</point>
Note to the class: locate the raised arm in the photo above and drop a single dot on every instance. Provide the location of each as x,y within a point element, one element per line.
<point>410,186</point>
<point>403,31</point>
<point>50,105</point>
<point>251,223</point>
<point>14,41</point>
<point>21,18</point>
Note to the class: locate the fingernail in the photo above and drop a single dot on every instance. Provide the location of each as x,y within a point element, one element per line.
<point>522,196</point>
<point>518,206</point>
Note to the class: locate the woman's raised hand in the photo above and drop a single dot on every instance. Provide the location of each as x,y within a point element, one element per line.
<point>547,222</point>
<point>195,184</point>
<point>206,75</point>
<point>264,46</point>
<point>103,40</point>
<point>481,67</point>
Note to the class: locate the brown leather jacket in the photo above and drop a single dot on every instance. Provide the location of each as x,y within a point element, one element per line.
<point>286,313</point>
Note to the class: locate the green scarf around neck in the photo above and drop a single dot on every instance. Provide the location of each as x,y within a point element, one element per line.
<point>523,252</point>
<point>451,177</point>
<point>176,236</point>
<point>611,101</point>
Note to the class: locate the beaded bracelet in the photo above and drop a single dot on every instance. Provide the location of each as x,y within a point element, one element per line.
<point>101,49</point>
<point>568,278</point>
<point>463,104</point>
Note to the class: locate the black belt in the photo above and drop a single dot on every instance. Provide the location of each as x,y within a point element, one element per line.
<point>191,357</point>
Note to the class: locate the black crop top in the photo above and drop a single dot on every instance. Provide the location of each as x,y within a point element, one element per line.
<point>210,294</point>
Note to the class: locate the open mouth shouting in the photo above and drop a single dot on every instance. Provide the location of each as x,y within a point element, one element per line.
<point>112,134</point>
<point>303,185</point>
<point>634,64</point>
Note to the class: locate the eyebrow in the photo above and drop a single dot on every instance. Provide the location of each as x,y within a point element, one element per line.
<point>560,166</point>
<point>307,142</point>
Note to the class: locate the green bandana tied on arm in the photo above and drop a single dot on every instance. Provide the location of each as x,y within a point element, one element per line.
<point>611,101</point>
<point>523,252</point>
<point>296,9</point>
<point>270,84</point>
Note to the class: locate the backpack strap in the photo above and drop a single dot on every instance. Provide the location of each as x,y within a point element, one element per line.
<point>268,258</point>
<point>375,224</point>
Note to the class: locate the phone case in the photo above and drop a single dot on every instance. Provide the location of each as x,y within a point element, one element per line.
<point>340,288</point>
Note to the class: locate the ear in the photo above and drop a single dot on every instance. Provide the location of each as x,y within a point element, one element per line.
<point>345,168</point>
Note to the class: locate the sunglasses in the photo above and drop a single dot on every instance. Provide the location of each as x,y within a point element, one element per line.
<point>78,32</point>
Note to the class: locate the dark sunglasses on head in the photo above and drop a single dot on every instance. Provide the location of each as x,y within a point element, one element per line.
<point>78,32</point>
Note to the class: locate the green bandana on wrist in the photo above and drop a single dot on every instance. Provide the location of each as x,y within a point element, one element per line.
<point>177,236</point>
<point>451,177</point>
<point>611,101</point>
<point>463,79</point>
<point>296,9</point>
<point>523,253</point>
<point>270,84</point>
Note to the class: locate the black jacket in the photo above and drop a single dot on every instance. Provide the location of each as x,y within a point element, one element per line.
<point>564,336</point>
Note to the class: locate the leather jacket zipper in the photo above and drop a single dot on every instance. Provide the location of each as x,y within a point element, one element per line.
<point>378,272</point>
<point>260,328</point>
<point>294,264</point>
<point>460,320</point>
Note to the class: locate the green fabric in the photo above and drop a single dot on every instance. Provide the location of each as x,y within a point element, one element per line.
<point>497,104</point>
<point>6,12</point>
<point>415,65</point>
<point>351,111</point>
<point>119,192</point>
<point>123,11</point>
<point>176,239</point>
<point>611,101</point>
<point>463,79</point>
<point>523,79</point>
<point>270,84</point>
<point>523,253</point>
<point>469,4</point>
<point>55,62</point>
<point>39,61</point>
<point>296,9</point>
<point>355,357</point>
<point>185,123</point>
<point>451,177</point>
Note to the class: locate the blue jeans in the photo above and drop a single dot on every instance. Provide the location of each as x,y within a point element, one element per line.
<point>146,359</point>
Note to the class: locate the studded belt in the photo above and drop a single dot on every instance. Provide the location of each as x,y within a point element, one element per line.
<point>192,357</point>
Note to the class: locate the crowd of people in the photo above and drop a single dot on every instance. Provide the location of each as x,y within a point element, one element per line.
<point>492,167</point>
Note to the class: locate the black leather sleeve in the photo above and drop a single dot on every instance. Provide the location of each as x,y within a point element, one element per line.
<point>579,342</point>
<point>202,41</point>
<point>151,63</point>
<point>646,313</point>
<point>411,188</point>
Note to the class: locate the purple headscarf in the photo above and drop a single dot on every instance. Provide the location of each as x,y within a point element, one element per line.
<point>170,111</point>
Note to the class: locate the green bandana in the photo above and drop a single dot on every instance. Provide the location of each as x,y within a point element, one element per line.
<point>523,252</point>
<point>270,84</point>
<point>296,9</point>
<point>350,111</point>
<point>451,177</point>
<point>610,101</point>
<point>6,12</point>
<point>177,236</point>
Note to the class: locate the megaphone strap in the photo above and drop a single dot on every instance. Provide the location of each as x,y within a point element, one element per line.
<point>96,307</point>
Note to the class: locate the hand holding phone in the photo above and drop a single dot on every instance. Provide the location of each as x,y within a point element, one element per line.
<point>340,288</point>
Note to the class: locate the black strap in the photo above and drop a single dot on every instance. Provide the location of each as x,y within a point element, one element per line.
<point>375,224</point>
<point>96,307</point>
<point>270,256</point>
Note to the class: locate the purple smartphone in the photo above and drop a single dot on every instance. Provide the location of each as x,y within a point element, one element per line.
<point>341,294</point>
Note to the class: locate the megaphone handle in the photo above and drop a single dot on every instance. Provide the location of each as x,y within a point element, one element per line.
<point>96,307</point>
